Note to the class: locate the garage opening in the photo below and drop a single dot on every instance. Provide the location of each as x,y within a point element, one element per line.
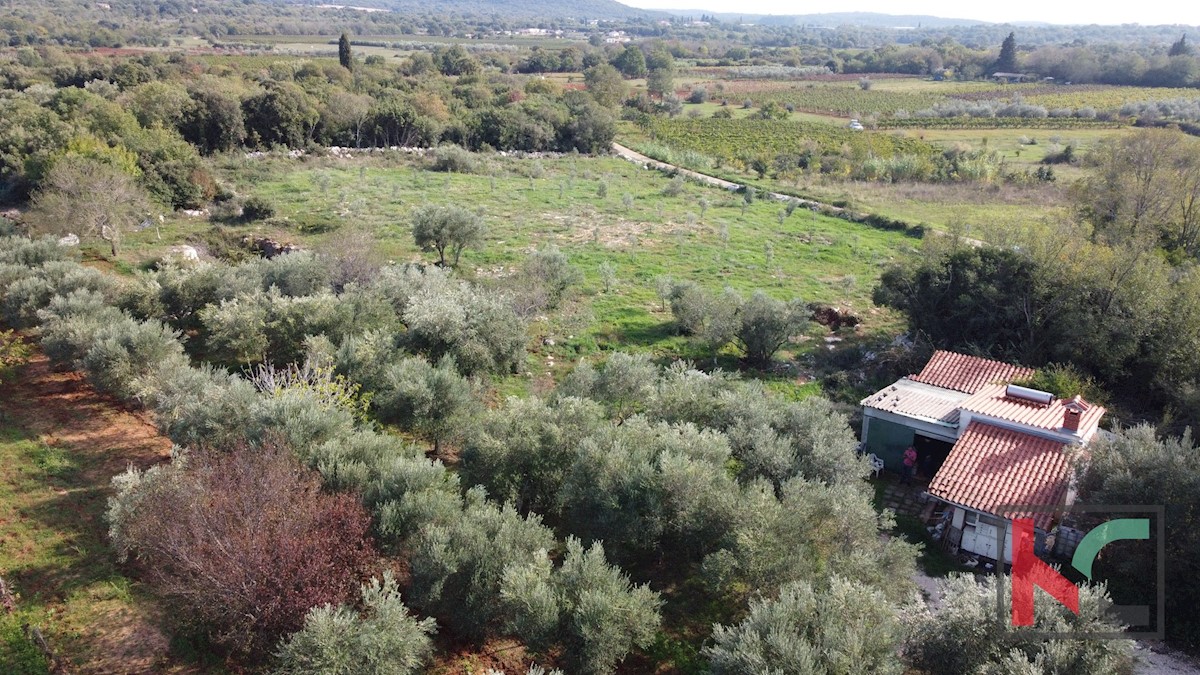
<point>931,454</point>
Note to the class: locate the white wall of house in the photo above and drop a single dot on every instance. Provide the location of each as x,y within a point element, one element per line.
<point>979,534</point>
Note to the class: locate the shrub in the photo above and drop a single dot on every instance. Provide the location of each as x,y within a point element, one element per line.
<point>296,274</point>
<point>965,635</point>
<point>236,331</point>
<point>13,354</point>
<point>847,628</point>
<point>71,323</point>
<point>587,605</point>
<point>550,270</point>
<point>674,188</point>
<point>34,252</point>
<point>454,159</point>
<point>258,208</point>
<point>25,296</point>
<point>698,95</point>
<point>766,324</point>
<point>457,568</point>
<point>286,545</point>
<point>128,350</point>
<point>381,638</point>
<point>779,543</point>
<point>478,328</point>
<point>523,450</point>
<point>187,290</point>
<point>435,402</point>
<point>199,407</point>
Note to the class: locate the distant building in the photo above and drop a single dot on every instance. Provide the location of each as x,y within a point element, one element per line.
<point>986,443</point>
<point>1011,78</point>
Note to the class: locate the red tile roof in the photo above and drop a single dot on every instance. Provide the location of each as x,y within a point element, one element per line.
<point>994,402</point>
<point>967,373</point>
<point>990,467</point>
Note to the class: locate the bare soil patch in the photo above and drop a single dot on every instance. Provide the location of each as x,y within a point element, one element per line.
<point>97,620</point>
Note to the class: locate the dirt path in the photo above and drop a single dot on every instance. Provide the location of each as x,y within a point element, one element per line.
<point>856,216</point>
<point>63,442</point>
<point>625,153</point>
<point>1158,659</point>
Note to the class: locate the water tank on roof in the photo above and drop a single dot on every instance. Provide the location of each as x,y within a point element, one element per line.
<point>1027,394</point>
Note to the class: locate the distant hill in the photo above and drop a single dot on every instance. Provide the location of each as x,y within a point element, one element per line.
<point>833,19</point>
<point>528,9</point>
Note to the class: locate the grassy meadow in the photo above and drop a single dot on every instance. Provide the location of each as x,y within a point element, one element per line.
<point>599,212</point>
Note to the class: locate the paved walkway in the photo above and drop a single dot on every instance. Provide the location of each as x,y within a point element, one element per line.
<point>905,500</point>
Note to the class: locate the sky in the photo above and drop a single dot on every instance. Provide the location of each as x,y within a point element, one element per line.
<point>1070,12</point>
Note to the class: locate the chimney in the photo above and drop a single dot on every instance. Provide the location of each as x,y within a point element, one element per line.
<point>1072,412</point>
<point>1071,419</point>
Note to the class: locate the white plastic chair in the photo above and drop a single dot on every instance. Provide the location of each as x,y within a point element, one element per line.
<point>876,464</point>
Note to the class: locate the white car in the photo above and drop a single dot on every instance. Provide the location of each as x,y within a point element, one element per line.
<point>856,125</point>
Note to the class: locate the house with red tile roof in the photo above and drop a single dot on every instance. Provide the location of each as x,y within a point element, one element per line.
<point>985,444</point>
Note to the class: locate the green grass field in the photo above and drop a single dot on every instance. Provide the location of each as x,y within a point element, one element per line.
<point>643,234</point>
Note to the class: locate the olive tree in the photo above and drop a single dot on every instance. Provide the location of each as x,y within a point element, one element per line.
<point>446,230</point>
<point>587,606</point>
<point>845,628</point>
<point>766,324</point>
<point>91,198</point>
<point>381,638</point>
<point>458,567</point>
<point>966,636</point>
<point>434,401</point>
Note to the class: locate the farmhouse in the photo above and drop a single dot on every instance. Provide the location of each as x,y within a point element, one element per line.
<point>984,443</point>
<point>1011,78</point>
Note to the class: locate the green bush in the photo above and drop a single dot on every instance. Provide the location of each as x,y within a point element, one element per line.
<point>846,628</point>
<point>13,354</point>
<point>454,159</point>
<point>257,208</point>
<point>458,568</point>
<point>126,351</point>
<point>587,606</point>
<point>378,637</point>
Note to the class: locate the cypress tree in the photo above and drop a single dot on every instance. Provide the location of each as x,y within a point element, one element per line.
<point>1007,63</point>
<point>344,55</point>
<point>1181,47</point>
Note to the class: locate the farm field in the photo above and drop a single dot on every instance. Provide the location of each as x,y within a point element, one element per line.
<point>888,96</point>
<point>726,138</point>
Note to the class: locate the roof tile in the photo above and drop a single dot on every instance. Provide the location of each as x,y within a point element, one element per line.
<point>993,400</point>
<point>990,467</point>
<point>968,374</point>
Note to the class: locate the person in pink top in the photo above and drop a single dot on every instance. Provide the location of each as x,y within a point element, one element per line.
<point>910,464</point>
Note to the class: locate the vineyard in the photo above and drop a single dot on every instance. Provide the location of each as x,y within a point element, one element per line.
<point>902,97</point>
<point>739,138</point>
<point>1050,123</point>
<point>1103,97</point>
<point>849,100</point>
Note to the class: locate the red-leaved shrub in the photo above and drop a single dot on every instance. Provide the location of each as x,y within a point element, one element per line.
<point>243,543</point>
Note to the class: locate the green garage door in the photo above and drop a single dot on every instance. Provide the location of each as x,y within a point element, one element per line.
<point>888,440</point>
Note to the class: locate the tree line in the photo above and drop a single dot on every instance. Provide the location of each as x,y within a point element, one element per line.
<point>152,118</point>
